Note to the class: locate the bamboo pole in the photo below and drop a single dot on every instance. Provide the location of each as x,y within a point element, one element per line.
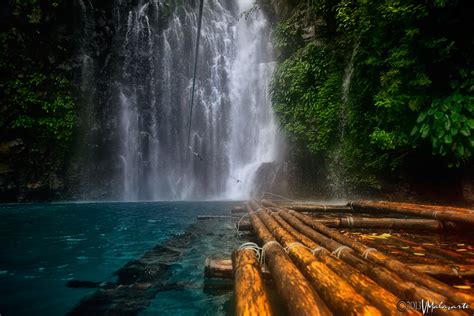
<point>454,270</point>
<point>301,207</point>
<point>250,295</point>
<point>374,293</point>
<point>428,207</point>
<point>388,223</point>
<point>336,292</point>
<point>222,269</point>
<point>463,216</point>
<point>383,223</point>
<point>404,289</point>
<point>394,250</point>
<point>237,209</point>
<point>445,255</point>
<point>296,292</point>
<point>403,270</point>
<point>218,268</point>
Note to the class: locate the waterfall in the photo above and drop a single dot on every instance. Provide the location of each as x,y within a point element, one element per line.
<point>252,126</point>
<point>346,84</point>
<point>143,106</point>
<point>336,173</point>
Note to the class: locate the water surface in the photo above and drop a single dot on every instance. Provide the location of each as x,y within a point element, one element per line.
<point>46,245</point>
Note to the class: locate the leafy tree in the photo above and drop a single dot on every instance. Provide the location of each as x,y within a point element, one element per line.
<point>411,88</point>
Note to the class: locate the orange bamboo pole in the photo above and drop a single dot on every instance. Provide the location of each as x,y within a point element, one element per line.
<point>373,292</point>
<point>388,279</point>
<point>301,207</point>
<point>295,291</point>
<point>463,216</point>
<point>401,269</point>
<point>339,295</point>
<point>428,207</point>
<point>454,270</point>
<point>250,295</point>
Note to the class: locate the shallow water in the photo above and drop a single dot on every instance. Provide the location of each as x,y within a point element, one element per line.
<point>46,245</point>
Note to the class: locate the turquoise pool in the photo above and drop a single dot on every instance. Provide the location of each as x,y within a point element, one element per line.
<point>44,246</point>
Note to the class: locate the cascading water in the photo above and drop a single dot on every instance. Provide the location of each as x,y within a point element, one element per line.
<point>144,109</point>
<point>336,172</point>
<point>253,127</point>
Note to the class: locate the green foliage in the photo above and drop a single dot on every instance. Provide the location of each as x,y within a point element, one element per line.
<point>32,9</point>
<point>448,123</point>
<point>306,96</point>
<point>287,35</point>
<point>36,101</point>
<point>29,8</point>
<point>383,139</point>
<point>45,110</point>
<point>411,91</point>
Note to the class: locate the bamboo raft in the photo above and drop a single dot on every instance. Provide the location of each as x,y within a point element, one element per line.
<point>363,258</point>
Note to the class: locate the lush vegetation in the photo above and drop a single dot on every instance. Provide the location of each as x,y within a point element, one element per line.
<point>377,82</point>
<point>36,100</point>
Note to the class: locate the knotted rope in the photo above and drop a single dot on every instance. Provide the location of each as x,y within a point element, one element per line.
<point>350,221</point>
<point>253,246</point>
<point>240,220</point>
<point>339,250</point>
<point>365,254</point>
<point>296,244</point>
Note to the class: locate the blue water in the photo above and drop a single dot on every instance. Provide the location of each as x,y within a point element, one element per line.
<point>43,246</point>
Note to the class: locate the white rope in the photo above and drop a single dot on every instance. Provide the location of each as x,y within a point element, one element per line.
<point>456,271</point>
<point>365,254</point>
<point>435,215</point>
<point>351,204</point>
<point>339,250</point>
<point>240,220</point>
<point>280,196</point>
<point>260,210</point>
<point>264,248</point>
<point>253,246</point>
<point>316,250</point>
<point>350,221</point>
<point>295,244</point>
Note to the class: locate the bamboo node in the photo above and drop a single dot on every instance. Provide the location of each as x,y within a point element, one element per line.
<point>365,254</point>
<point>339,250</point>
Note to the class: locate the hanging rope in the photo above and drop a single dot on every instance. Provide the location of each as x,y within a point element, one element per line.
<point>236,180</point>
<point>238,223</point>
<point>201,6</point>
<point>280,196</point>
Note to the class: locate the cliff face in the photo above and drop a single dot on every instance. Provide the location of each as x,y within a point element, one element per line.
<point>42,108</point>
<point>37,44</point>
<point>346,94</point>
<point>278,9</point>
